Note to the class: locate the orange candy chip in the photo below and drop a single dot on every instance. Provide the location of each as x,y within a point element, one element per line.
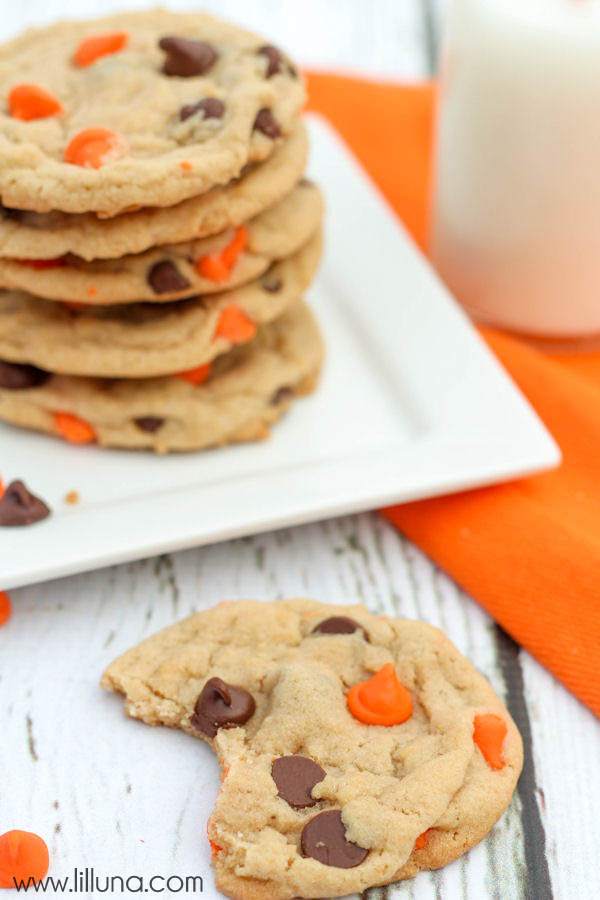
<point>214,847</point>
<point>489,732</point>
<point>32,101</point>
<point>235,326</point>
<point>23,856</point>
<point>197,375</point>
<point>5,608</point>
<point>423,839</point>
<point>74,429</point>
<point>94,147</point>
<point>381,700</point>
<point>219,268</point>
<point>98,45</point>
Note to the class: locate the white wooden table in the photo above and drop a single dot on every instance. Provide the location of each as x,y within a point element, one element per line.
<point>58,750</point>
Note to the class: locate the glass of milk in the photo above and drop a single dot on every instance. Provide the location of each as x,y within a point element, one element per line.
<point>516,201</point>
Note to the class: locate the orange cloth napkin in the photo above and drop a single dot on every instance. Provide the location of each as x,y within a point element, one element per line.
<point>529,551</point>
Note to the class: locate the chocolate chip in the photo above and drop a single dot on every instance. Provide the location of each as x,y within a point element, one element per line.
<point>266,124</point>
<point>295,777</point>
<point>324,839</point>
<point>212,107</point>
<point>186,58</point>
<point>282,395</point>
<point>16,376</point>
<point>274,59</point>
<point>165,278</point>
<point>19,507</point>
<point>149,423</point>
<point>339,625</point>
<point>272,285</point>
<point>305,182</point>
<point>222,705</point>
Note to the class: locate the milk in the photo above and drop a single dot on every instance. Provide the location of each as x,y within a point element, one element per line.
<point>516,203</point>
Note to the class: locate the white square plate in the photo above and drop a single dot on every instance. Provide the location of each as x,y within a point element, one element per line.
<point>411,404</point>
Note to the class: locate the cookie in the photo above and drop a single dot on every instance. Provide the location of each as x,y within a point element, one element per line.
<point>31,235</point>
<point>143,108</point>
<point>147,339</point>
<point>355,750</point>
<point>204,266</point>
<point>245,391</point>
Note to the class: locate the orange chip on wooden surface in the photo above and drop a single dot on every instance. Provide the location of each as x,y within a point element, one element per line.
<point>24,858</point>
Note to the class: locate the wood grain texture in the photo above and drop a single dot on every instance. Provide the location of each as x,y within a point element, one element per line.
<point>111,793</point>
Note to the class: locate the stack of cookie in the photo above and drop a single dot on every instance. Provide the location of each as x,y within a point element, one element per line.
<point>156,233</point>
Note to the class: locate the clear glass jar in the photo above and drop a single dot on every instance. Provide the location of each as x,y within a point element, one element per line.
<point>516,202</point>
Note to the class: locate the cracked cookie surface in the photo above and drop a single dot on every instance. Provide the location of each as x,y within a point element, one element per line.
<point>180,103</point>
<point>315,802</point>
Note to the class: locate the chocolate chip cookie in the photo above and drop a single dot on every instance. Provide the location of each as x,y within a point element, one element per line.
<point>355,750</point>
<point>139,109</point>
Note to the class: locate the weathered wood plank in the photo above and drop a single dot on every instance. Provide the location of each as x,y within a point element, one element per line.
<point>129,783</point>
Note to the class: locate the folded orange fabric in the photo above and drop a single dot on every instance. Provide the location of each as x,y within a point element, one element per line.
<point>528,551</point>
